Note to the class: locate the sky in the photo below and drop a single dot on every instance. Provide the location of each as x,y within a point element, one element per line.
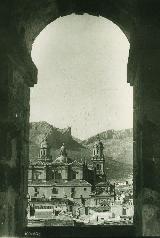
<point>82,76</point>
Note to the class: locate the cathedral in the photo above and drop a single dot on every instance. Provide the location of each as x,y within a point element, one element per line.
<point>66,177</point>
<point>65,168</point>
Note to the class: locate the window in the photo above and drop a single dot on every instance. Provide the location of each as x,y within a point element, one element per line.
<point>74,175</point>
<point>55,191</point>
<point>37,175</point>
<point>36,192</point>
<point>124,211</point>
<point>58,175</point>
<point>72,192</point>
<point>86,211</point>
<point>98,166</point>
<point>85,189</point>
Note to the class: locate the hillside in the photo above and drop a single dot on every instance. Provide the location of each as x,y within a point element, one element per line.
<point>55,138</point>
<point>117,146</point>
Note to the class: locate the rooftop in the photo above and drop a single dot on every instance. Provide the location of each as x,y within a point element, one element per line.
<point>62,160</point>
<point>50,183</point>
<point>101,208</point>
<point>103,184</point>
<point>40,163</point>
<point>104,194</point>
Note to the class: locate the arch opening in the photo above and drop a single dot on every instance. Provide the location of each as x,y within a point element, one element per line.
<point>82,75</point>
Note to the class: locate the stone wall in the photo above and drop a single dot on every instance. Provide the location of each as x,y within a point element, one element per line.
<point>14,129</point>
<point>21,22</point>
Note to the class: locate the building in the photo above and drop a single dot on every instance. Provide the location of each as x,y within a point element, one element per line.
<point>78,185</point>
<point>98,158</point>
<point>76,189</point>
<point>40,170</point>
<point>65,168</point>
<point>104,198</point>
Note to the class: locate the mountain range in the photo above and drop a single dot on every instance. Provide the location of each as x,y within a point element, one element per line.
<point>118,147</point>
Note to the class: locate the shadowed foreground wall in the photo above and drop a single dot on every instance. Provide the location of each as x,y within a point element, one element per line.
<point>20,23</point>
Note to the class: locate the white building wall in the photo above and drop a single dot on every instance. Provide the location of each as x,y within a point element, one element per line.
<point>67,191</point>
<point>64,173</point>
<point>79,174</point>
<point>30,174</point>
<point>47,191</point>
<point>31,191</point>
<point>116,209</point>
<point>61,191</point>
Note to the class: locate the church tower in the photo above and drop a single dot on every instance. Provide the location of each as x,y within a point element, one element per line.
<point>43,153</point>
<point>98,157</point>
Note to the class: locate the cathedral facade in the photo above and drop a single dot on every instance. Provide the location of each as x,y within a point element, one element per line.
<point>65,168</point>
<point>66,177</point>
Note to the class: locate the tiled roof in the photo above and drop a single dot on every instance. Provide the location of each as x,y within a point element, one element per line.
<point>105,203</point>
<point>104,194</point>
<point>77,164</point>
<point>75,182</point>
<point>38,183</point>
<point>40,163</point>
<point>103,184</point>
<point>101,208</point>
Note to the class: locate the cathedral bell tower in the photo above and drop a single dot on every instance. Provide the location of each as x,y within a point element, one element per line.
<point>43,153</point>
<point>98,157</point>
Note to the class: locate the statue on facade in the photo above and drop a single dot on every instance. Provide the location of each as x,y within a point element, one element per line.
<point>100,147</point>
<point>63,151</point>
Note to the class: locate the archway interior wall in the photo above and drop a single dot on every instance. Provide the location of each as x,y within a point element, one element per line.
<point>21,22</point>
<point>42,14</point>
<point>19,72</point>
<point>43,17</point>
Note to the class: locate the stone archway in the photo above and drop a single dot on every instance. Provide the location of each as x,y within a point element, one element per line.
<point>30,19</point>
<point>21,22</point>
<point>47,11</point>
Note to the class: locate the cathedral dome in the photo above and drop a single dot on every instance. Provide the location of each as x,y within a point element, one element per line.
<point>61,160</point>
